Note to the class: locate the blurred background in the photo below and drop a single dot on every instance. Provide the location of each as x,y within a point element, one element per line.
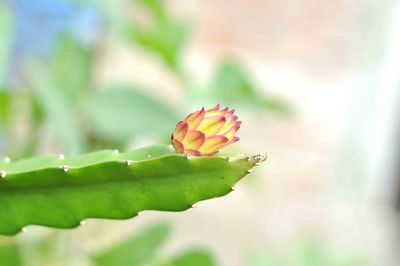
<point>316,84</point>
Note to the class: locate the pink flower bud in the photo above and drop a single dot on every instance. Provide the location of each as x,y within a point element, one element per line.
<point>205,132</point>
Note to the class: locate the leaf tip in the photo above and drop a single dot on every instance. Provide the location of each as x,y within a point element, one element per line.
<point>257,159</point>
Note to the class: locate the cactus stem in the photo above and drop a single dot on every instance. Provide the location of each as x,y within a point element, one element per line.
<point>105,176</point>
<point>65,168</point>
<point>61,156</point>
<point>7,159</point>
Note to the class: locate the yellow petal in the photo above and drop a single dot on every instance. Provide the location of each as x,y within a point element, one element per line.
<point>213,112</point>
<point>211,125</point>
<point>193,140</point>
<point>180,130</point>
<point>194,119</point>
<point>231,132</point>
<point>230,122</point>
<point>177,145</point>
<point>212,144</point>
<point>233,140</point>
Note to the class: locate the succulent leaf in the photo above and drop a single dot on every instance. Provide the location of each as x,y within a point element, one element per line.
<point>61,192</point>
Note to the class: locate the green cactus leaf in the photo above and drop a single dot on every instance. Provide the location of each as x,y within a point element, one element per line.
<point>61,192</point>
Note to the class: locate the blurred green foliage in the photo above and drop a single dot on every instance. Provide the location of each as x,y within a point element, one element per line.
<point>195,257</point>
<point>144,249</point>
<point>58,110</point>
<point>6,34</point>
<point>233,86</point>
<point>136,112</point>
<point>10,255</point>
<point>5,99</point>
<point>72,71</point>
<point>136,250</point>
<point>166,36</point>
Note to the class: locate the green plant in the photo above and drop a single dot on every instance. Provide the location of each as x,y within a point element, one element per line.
<point>10,255</point>
<point>165,36</point>
<point>61,192</point>
<point>143,248</point>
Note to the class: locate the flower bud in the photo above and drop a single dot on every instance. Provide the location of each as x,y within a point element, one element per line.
<point>205,132</point>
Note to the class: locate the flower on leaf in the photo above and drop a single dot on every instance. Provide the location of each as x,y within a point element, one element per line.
<point>205,132</point>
